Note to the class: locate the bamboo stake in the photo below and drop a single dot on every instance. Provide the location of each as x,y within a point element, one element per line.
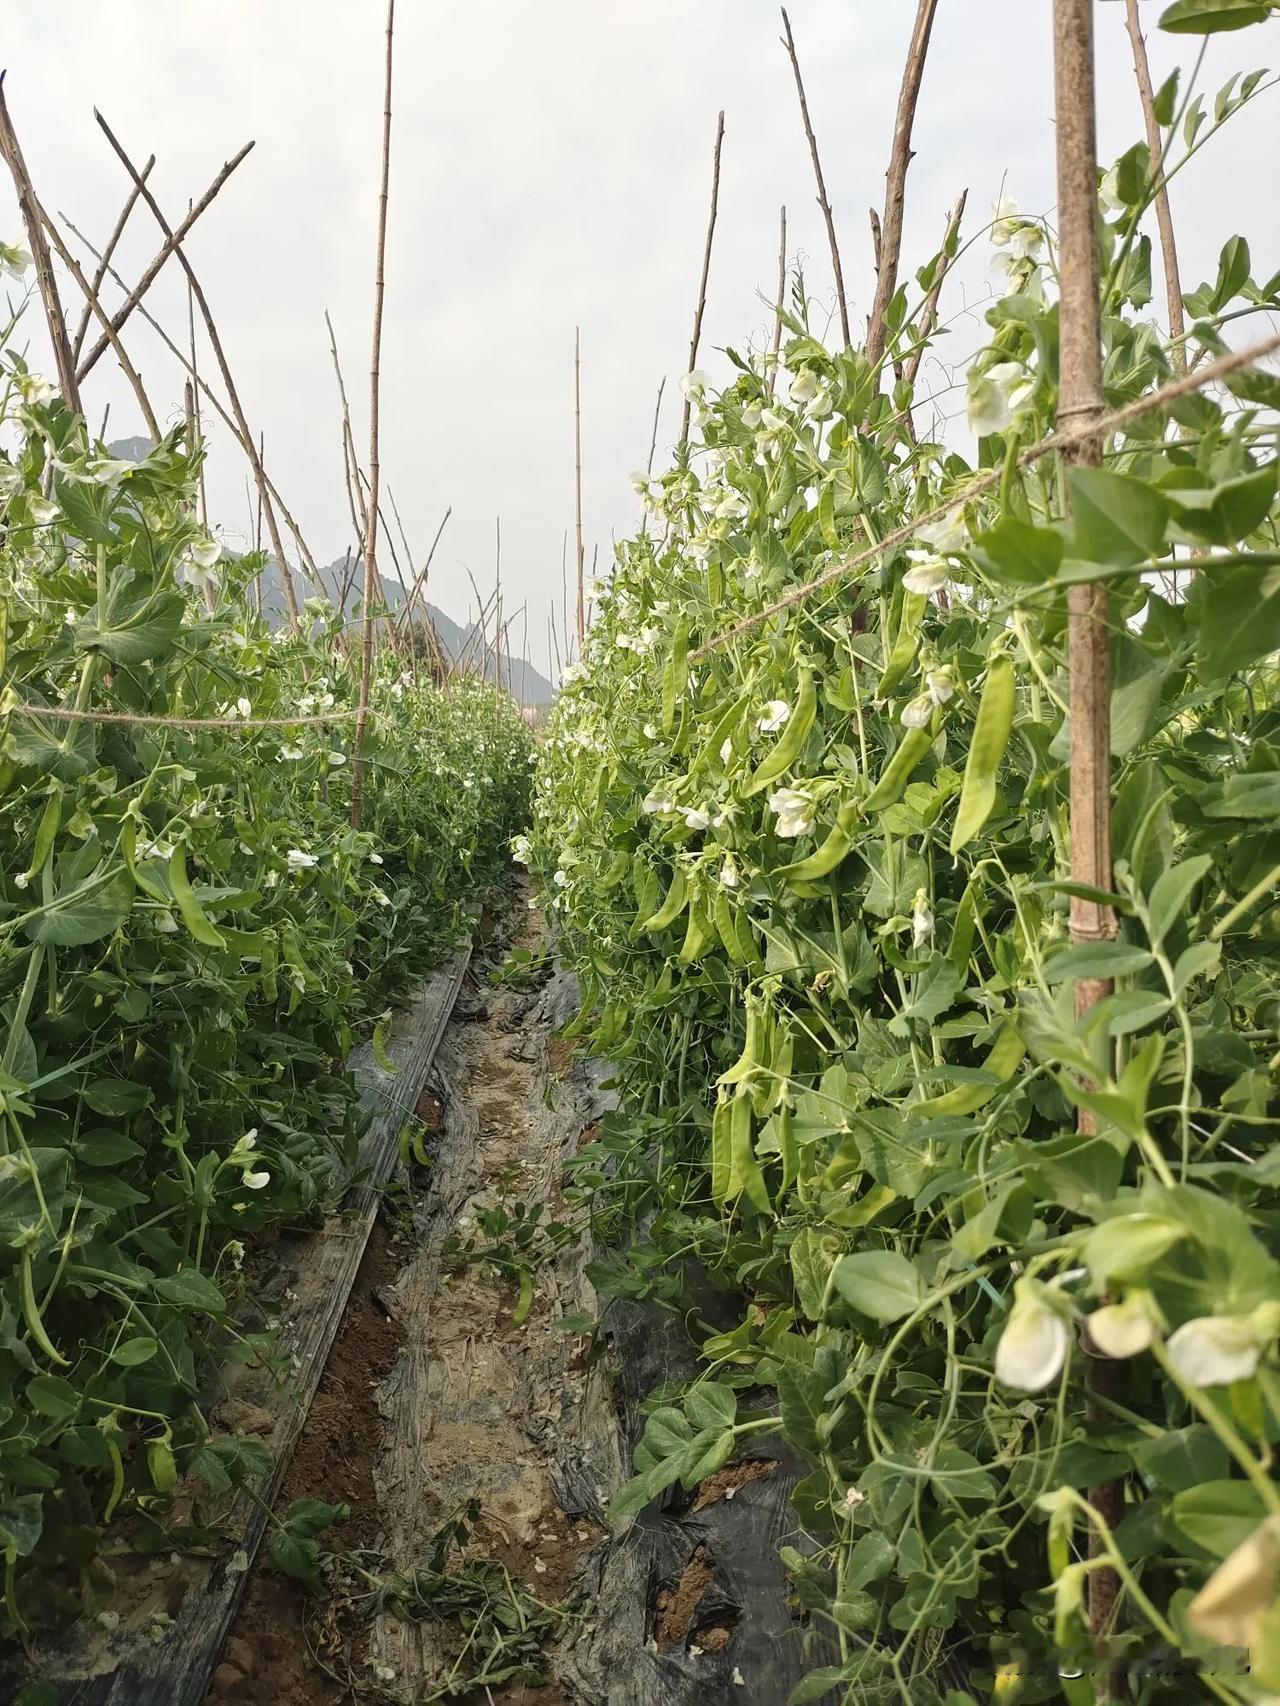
<point>371,532</point>
<point>1081,404</point>
<point>104,261</point>
<point>126,366</point>
<point>1164,212</point>
<point>929,313</point>
<point>32,219</point>
<point>420,582</point>
<point>197,429</point>
<point>700,310</point>
<point>577,487</point>
<point>823,203</point>
<point>653,441</point>
<point>781,304</point>
<point>215,342</point>
<point>232,426</point>
<point>890,245</point>
<point>172,246</point>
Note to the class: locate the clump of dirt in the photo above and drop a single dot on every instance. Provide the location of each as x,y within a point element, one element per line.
<point>726,1482</point>
<point>560,1053</point>
<point>430,1110</point>
<point>266,1661</point>
<point>676,1607</point>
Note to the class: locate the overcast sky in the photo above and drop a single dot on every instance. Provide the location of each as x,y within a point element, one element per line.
<point>551,167</point>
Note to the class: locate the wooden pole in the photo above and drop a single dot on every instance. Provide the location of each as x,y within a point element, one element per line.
<point>31,218</point>
<point>1081,402</point>
<point>823,203</point>
<point>657,411</point>
<point>1164,213</point>
<point>890,244</point>
<point>375,361</point>
<point>782,300</point>
<point>929,313</point>
<point>577,487</point>
<point>174,246</point>
<point>104,261</point>
<point>701,308</point>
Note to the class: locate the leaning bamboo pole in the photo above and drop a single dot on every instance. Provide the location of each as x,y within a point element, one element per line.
<point>375,366</point>
<point>828,218</point>
<point>577,482</point>
<point>701,308</point>
<point>1164,212</point>
<point>1082,405</point>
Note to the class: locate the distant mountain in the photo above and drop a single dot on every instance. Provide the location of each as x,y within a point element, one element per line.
<point>526,683</point>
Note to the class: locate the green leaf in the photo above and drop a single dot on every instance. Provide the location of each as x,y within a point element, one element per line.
<point>133,1352</point>
<point>1233,272</point>
<point>88,913</point>
<point>1182,1457</point>
<point>880,1283</point>
<point>1097,959</point>
<point>1253,795</point>
<point>188,1289</point>
<point>711,1406</point>
<point>1239,618</point>
<point>1128,1245</point>
<point>116,1096</point>
<point>1209,17</point>
<point>1116,519</point>
<point>1218,1515</point>
<point>50,1395</point>
<point>1168,899</point>
<point>146,630</point>
<point>801,1396</point>
<point>1133,170</point>
<point>1014,550</point>
<point>21,1524</point>
<point>812,1255</point>
<point>1166,101</point>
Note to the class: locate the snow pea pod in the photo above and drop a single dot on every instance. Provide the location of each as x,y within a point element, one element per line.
<point>675,677</point>
<point>905,645</point>
<point>46,833</point>
<point>697,934</point>
<point>193,915</point>
<point>31,1310</point>
<point>1002,1062</point>
<point>791,740</point>
<point>991,734</point>
<point>834,849</point>
<point>743,1155</point>
<point>897,772</point>
<point>672,906</point>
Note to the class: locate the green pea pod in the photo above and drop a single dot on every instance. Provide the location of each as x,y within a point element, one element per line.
<point>697,934</point>
<point>788,1148</point>
<point>645,885</point>
<point>897,772</point>
<point>185,896</point>
<point>672,906</point>
<point>986,751</point>
<point>725,923</point>
<point>619,865</point>
<point>722,1180</point>
<point>1002,1062</point>
<point>834,849</point>
<point>162,1464</point>
<point>46,833</point>
<point>965,927</point>
<point>31,1310</point>
<point>129,852</point>
<point>117,1472</point>
<point>724,726</point>
<point>675,678</point>
<point>745,1166</point>
<point>905,645</point>
<point>270,961</point>
<point>749,1059</point>
<point>791,741</point>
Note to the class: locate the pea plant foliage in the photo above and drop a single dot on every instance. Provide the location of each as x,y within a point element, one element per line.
<point>814,874</point>
<point>191,939</point>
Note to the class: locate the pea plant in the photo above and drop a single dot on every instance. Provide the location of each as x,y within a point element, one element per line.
<point>810,855</point>
<point>191,938</point>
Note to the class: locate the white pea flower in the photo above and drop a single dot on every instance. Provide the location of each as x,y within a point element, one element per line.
<point>380,895</point>
<point>560,879</point>
<point>695,817</point>
<point>947,534</point>
<point>1216,1350</point>
<point>726,749</point>
<point>1124,1329</point>
<point>751,413</point>
<point>1035,1341</point>
<point>732,505</point>
<point>22,880</point>
<point>14,260</point>
<point>729,872</point>
<point>35,389</point>
<point>724,815</point>
<point>297,860</point>
<point>917,712</point>
<point>928,573</point>
<point>993,398</point>
<point>246,1143</point>
<point>804,386</point>
<point>921,920</point>
<point>256,1181</point>
<point>820,404</point>
<point>773,422</point>
<point>656,800</point>
<point>1109,193</point>
<point>1005,219</point>
<point>204,553</point>
<point>166,924</point>
<point>773,716</point>
<point>694,384</point>
<point>42,511</point>
<point>794,810</point>
<point>521,850</point>
<point>1233,1604</point>
<point>336,760</point>
<point>292,753</point>
<point>649,732</point>
<point>940,685</point>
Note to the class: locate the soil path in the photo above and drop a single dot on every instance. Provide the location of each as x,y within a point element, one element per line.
<point>453,1384</point>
